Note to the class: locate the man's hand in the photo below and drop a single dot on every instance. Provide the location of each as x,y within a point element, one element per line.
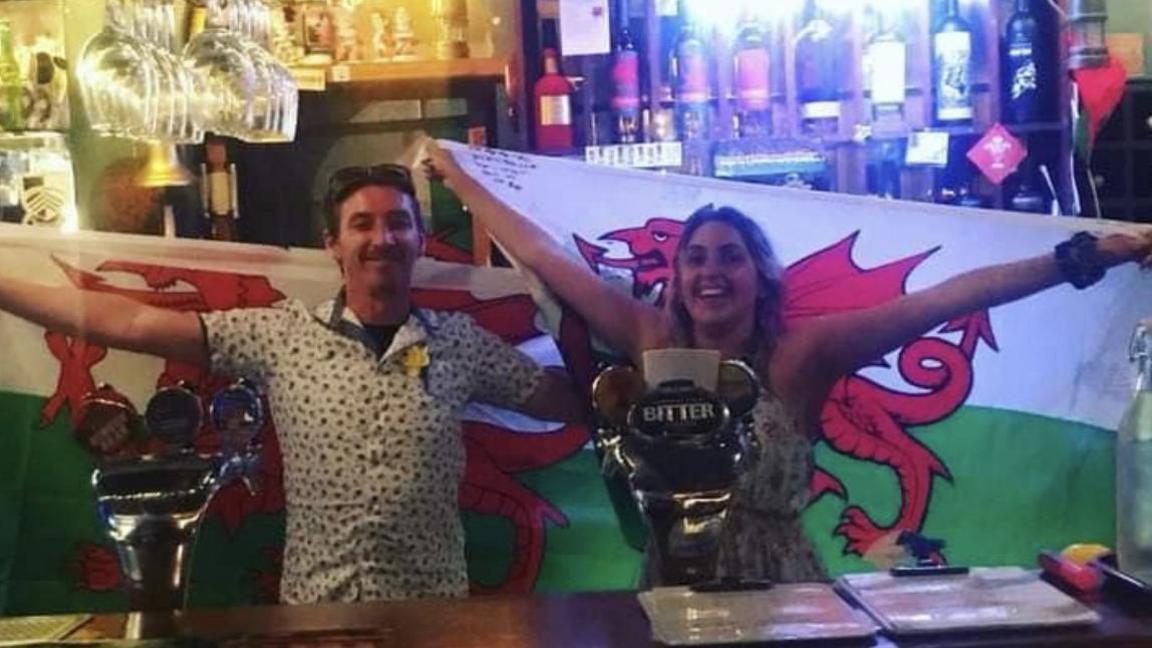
<point>557,399</point>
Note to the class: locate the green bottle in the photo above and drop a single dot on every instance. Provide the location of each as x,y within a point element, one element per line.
<point>11,82</point>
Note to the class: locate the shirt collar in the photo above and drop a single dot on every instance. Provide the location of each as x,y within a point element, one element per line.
<point>335,314</point>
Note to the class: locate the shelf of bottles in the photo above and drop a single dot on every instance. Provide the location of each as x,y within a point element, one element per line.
<point>382,41</point>
<point>37,183</point>
<point>885,97</point>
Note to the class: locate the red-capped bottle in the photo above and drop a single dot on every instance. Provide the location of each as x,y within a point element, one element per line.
<point>553,97</point>
<point>625,102</point>
<point>751,74</point>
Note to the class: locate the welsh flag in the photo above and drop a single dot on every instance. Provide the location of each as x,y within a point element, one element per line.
<point>536,510</point>
<point>992,432</point>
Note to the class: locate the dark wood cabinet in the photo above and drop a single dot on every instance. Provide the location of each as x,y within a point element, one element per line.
<point>1121,164</point>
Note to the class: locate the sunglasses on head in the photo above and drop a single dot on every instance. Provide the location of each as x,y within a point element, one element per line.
<point>388,175</point>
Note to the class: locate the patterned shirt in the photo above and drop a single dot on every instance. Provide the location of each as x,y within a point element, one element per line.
<point>372,450</point>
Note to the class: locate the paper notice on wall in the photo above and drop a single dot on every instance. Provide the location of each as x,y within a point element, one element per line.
<point>927,148</point>
<point>584,27</point>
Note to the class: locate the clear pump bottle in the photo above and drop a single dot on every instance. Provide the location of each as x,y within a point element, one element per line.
<point>1134,465</point>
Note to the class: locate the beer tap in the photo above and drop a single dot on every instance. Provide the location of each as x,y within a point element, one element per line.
<point>237,413</point>
<point>152,486</point>
<point>681,449</point>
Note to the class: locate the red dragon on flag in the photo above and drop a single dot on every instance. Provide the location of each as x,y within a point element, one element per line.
<point>862,418</point>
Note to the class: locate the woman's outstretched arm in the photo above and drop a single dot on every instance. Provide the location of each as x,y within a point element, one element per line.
<point>625,323</point>
<point>850,340</point>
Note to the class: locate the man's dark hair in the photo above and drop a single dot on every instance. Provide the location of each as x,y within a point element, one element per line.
<point>348,180</point>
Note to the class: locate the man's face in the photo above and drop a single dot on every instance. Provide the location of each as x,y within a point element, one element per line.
<point>379,240</point>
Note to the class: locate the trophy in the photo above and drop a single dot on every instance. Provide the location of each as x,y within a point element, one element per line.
<point>152,487</point>
<point>452,28</point>
<point>403,36</point>
<point>681,442</point>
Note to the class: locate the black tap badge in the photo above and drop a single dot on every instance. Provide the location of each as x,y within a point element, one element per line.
<point>679,412</point>
<point>173,416</point>
<point>237,414</point>
<point>107,425</point>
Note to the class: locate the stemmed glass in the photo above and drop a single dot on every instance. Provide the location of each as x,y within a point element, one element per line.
<point>276,97</point>
<point>225,73</point>
<point>118,78</point>
<point>134,83</point>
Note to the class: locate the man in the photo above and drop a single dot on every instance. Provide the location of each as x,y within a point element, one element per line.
<point>366,392</point>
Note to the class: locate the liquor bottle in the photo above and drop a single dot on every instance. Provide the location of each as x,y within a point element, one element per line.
<point>669,18</point>
<point>886,55</point>
<point>957,185</point>
<point>691,81</point>
<point>882,175</point>
<point>817,77</point>
<point>625,102</point>
<point>969,197</point>
<point>451,18</point>
<point>883,179</point>
<point>952,67</point>
<point>319,33</point>
<point>1134,465</point>
<point>1027,197</point>
<point>552,95</point>
<point>11,182</point>
<point>11,82</point>
<point>1026,80</point>
<point>751,76</point>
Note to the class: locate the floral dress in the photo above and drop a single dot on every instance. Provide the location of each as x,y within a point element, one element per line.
<point>763,537</point>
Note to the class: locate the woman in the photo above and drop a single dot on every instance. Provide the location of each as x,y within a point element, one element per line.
<point>726,294</point>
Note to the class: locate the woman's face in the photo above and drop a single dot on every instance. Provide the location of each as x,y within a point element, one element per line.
<point>718,279</point>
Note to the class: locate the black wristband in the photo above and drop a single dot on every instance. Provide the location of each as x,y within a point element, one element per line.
<point>1079,260</point>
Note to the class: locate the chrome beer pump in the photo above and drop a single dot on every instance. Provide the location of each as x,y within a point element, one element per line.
<point>681,448</point>
<point>152,486</point>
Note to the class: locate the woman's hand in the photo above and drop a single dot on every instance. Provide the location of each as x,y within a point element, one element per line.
<point>441,165</point>
<point>1125,247</point>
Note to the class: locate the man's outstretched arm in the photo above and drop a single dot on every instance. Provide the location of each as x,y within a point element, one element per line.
<point>106,319</point>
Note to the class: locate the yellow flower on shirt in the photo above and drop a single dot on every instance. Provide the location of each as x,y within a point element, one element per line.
<point>415,359</point>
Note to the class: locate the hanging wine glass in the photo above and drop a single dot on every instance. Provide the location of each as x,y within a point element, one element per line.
<point>289,103</point>
<point>117,78</point>
<point>225,73</point>
<point>189,96</point>
<point>286,91</point>
<point>179,117</point>
<point>159,23</point>
<point>275,100</point>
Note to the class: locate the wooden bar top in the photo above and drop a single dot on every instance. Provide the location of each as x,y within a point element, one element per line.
<point>599,619</point>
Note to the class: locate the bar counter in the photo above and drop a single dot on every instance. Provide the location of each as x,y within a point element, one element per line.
<point>601,620</point>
